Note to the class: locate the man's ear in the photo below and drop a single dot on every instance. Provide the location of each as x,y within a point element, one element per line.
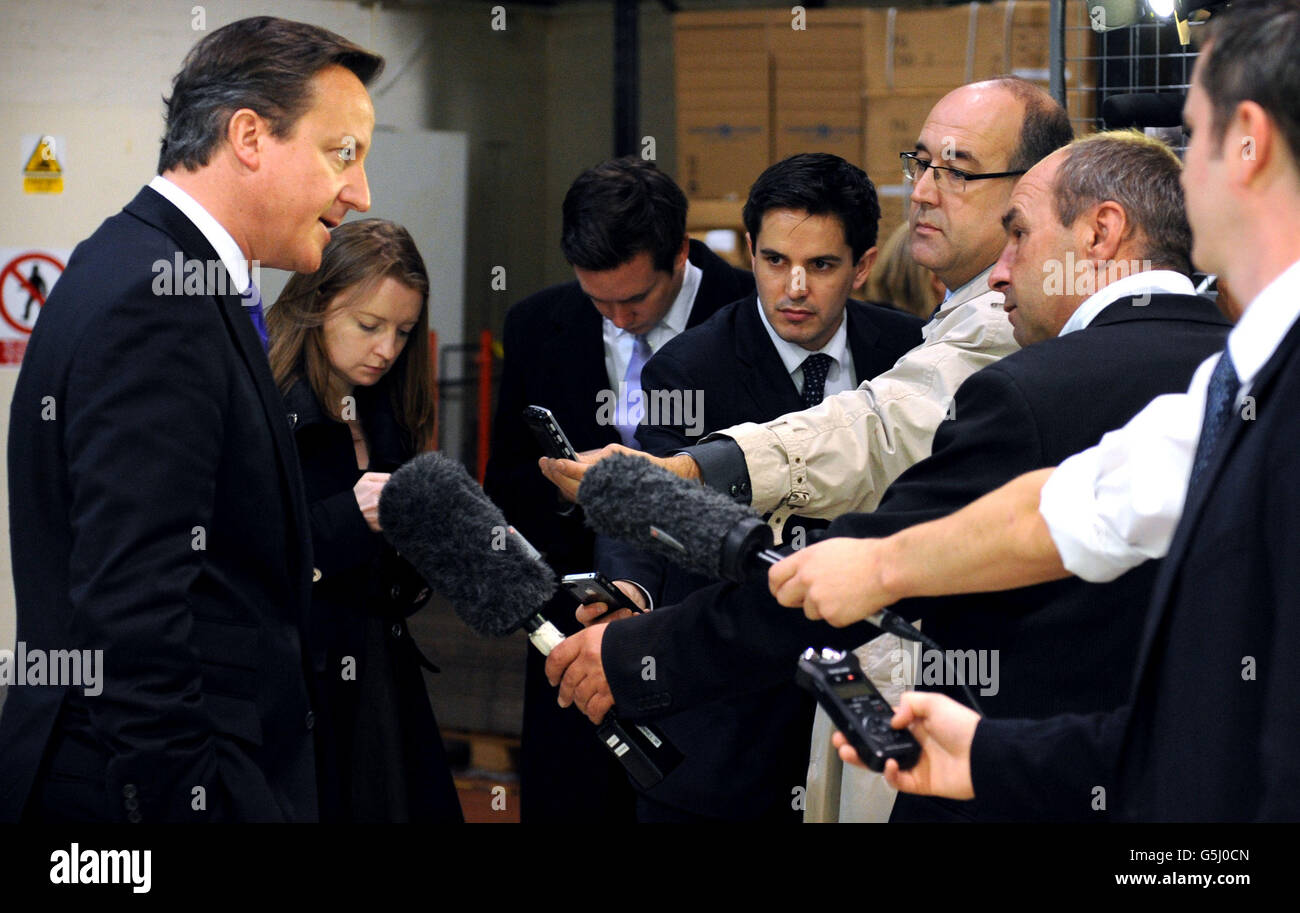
<point>245,132</point>
<point>749,245</point>
<point>679,262</point>
<point>862,269</point>
<point>1105,229</point>
<point>1249,141</point>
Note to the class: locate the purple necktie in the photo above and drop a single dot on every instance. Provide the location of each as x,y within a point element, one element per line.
<point>252,301</point>
<point>628,414</point>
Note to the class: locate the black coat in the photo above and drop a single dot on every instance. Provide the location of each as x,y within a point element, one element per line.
<point>555,357</point>
<point>389,762</point>
<point>158,515</point>
<point>1028,411</point>
<point>1211,728</point>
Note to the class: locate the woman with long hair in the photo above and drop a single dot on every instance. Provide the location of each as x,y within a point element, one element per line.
<point>350,356</point>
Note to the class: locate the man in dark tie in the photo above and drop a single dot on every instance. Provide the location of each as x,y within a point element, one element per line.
<point>578,349</point>
<point>811,222</point>
<point>1206,479</point>
<point>151,470</point>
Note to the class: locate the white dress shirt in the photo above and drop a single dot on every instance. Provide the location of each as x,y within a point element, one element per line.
<point>841,375</point>
<point>1117,504</point>
<point>231,256</point>
<point>619,343</point>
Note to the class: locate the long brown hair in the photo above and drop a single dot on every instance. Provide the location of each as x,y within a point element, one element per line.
<point>359,256</point>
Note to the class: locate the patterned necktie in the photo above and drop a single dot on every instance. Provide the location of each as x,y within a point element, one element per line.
<point>628,414</point>
<point>815,368</point>
<point>252,301</point>
<point>1220,400</point>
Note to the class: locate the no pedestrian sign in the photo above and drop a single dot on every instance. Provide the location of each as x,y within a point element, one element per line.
<point>26,279</point>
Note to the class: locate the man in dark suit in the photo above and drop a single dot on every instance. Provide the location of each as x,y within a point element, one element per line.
<point>812,238</point>
<point>1206,479</point>
<point>640,281</point>
<point>157,508</point>
<point>1021,413</point>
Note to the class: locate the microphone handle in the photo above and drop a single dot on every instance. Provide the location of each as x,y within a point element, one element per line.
<point>644,751</point>
<point>884,619</point>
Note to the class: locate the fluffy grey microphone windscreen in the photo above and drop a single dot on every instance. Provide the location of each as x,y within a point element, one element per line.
<point>623,496</point>
<point>440,520</point>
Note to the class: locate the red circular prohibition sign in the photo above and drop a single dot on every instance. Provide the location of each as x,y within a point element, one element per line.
<point>11,268</point>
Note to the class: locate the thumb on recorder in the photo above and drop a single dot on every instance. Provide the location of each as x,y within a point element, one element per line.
<point>945,730</point>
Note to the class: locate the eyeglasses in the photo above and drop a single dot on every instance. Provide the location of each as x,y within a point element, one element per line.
<point>914,169</point>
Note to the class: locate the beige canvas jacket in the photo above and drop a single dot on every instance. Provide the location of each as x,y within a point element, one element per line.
<point>841,455</point>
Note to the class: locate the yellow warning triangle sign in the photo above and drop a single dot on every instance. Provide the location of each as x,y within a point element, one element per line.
<point>42,173</point>
<point>43,160</point>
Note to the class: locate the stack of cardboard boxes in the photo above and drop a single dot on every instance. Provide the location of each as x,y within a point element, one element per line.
<point>754,87</point>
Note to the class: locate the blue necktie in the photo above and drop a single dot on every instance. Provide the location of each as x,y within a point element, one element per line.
<point>252,301</point>
<point>1220,402</point>
<point>632,381</point>
<point>815,368</point>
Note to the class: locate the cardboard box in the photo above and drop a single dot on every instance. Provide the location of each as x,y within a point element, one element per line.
<point>1014,36</point>
<point>919,48</point>
<point>893,196</point>
<point>720,152</point>
<point>832,33</point>
<point>893,122</point>
<point>838,131</point>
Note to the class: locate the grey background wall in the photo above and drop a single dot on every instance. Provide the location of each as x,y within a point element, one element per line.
<point>534,102</point>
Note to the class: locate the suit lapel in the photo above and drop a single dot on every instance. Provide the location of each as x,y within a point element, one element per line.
<point>576,355</point>
<point>862,339</point>
<point>765,378</point>
<point>1195,504</point>
<point>152,207</point>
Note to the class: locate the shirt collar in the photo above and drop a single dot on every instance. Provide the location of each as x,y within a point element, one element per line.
<point>220,239</point>
<point>1266,320</point>
<point>1153,281</point>
<point>972,289</point>
<point>793,356</point>
<point>680,312</point>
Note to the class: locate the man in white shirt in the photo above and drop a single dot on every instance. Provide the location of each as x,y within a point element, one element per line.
<point>153,483</point>
<point>1206,478</point>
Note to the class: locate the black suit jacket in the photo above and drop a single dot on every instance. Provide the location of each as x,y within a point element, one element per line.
<point>1211,731</point>
<point>157,514</point>
<point>555,357</point>
<point>1027,411</point>
<point>730,361</point>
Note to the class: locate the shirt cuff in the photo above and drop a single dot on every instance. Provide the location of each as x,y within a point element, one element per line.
<point>722,467</point>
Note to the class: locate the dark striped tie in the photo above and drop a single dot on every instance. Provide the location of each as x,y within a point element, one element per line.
<point>1220,402</point>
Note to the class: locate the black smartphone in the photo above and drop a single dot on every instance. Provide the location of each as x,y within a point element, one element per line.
<point>596,587</point>
<point>555,444</point>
